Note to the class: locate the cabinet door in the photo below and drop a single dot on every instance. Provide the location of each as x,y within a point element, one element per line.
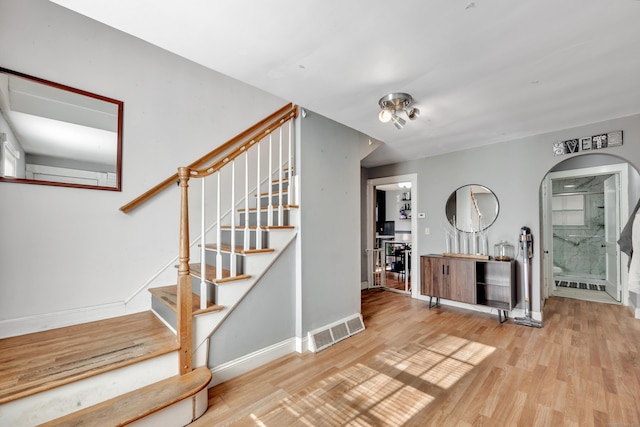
<point>462,280</point>
<point>432,277</point>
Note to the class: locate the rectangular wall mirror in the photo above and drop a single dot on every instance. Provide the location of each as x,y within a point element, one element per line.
<point>52,134</point>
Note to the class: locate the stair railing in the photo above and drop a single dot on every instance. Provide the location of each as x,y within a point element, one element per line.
<point>249,148</point>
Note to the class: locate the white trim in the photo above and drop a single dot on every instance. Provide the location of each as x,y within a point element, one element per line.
<point>47,321</point>
<point>12,150</point>
<point>415,205</point>
<point>515,312</point>
<point>250,361</point>
<point>622,169</point>
<point>302,344</point>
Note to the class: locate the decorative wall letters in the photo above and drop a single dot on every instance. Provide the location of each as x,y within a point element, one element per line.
<point>586,143</point>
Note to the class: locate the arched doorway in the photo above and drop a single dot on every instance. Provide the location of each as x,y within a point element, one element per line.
<point>585,203</point>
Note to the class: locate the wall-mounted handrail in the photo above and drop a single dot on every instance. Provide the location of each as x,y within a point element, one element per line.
<point>229,150</point>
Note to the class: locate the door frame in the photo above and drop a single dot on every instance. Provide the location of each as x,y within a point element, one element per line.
<point>620,169</point>
<point>611,241</point>
<point>371,224</point>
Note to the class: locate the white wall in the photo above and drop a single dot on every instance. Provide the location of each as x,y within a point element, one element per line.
<point>393,207</point>
<point>65,249</point>
<point>514,171</point>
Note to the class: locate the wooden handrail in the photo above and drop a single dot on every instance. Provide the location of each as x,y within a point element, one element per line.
<point>255,132</point>
<point>248,142</point>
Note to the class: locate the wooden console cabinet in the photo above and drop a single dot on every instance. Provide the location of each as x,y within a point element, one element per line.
<point>472,281</point>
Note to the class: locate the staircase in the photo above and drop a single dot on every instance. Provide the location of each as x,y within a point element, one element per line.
<point>246,217</point>
<point>231,269</point>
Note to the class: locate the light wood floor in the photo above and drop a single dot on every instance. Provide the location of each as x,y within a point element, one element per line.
<point>396,281</point>
<point>450,367</point>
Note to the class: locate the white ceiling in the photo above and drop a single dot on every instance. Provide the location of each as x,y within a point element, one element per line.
<point>481,71</point>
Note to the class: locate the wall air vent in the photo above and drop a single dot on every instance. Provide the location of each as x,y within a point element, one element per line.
<point>328,335</point>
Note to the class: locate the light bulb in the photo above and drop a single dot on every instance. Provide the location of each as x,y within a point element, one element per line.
<point>413,113</point>
<point>385,115</point>
<point>399,122</point>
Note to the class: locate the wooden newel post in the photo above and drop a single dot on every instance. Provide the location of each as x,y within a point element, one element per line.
<point>184,318</point>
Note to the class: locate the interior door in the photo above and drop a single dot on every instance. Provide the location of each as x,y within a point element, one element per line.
<point>611,234</point>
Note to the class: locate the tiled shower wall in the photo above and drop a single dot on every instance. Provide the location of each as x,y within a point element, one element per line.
<point>579,251</point>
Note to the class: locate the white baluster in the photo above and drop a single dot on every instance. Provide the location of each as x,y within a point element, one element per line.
<point>203,263</point>
<point>218,230</point>
<point>232,255</point>
<point>247,240</point>
<point>291,190</point>
<point>259,201</point>
<point>280,178</point>
<point>269,181</point>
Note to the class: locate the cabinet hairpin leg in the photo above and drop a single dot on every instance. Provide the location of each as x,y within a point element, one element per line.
<point>431,305</point>
<point>503,315</point>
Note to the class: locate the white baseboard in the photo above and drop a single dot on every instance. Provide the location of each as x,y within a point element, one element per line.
<point>635,311</point>
<point>47,321</point>
<point>302,344</point>
<point>246,363</point>
<point>516,312</point>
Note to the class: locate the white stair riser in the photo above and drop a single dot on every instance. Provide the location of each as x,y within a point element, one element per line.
<point>226,237</point>
<point>211,255</point>
<point>60,401</point>
<point>275,199</point>
<point>264,216</point>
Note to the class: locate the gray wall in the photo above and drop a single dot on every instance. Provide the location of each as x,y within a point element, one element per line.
<point>329,167</point>
<point>68,249</point>
<point>514,171</point>
<point>363,234</point>
<point>265,317</point>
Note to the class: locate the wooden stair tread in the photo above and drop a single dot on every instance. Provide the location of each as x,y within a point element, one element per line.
<point>41,361</point>
<point>210,274</point>
<point>169,296</point>
<point>140,403</point>
<point>239,249</point>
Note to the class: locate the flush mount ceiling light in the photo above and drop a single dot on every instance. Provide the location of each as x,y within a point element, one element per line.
<point>392,103</point>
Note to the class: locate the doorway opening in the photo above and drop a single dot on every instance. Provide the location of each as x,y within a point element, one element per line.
<point>583,213</point>
<point>391,234</point>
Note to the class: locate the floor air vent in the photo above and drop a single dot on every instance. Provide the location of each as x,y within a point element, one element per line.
<point>322,339</point>
<point>340,332</point>
<point>331,334</point>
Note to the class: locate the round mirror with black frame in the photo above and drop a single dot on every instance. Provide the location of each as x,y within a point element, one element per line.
<point>472,208</point>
